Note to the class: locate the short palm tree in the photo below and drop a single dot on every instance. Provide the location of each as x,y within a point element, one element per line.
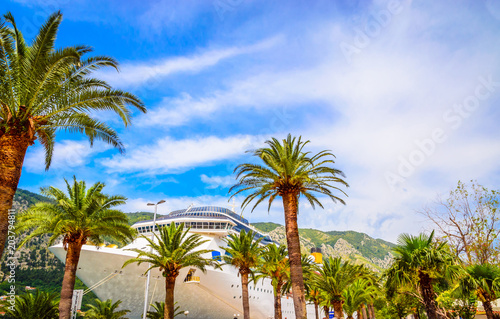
<point>81,215</point>
<point>41,305</point>
<point>355,295</point>
<point>275,266</point>
<point>484,281</point>
<point>334,278</point>
<point>105,310</point>
<point>46,89</point>
<point>420,260</point>
<point>244,253</point>
<point>290,172</point>
<point>159,311</point>
<point>173,249</point>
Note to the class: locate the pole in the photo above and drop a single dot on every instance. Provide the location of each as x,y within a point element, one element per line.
<point>149,271</point>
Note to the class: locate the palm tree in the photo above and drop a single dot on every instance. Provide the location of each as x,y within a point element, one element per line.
<point>483,280</point>
<point>420,260</point>
<point>355,295</point>
<point>289,172</point>
<point>41,305</point>
<point>81,215</point>
<point>105,310</point>
<point>275,266</point>
<point>172,250</point>
<point>243,252</point>
<point>334,278</point>
<point>159,311</point>
<point>45,89</point>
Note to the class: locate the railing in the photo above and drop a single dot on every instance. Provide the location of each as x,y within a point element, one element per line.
<point>192,279</point>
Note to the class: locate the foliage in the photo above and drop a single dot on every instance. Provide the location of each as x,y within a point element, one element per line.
<point>40,305</point>
<point>105,310</point>
<point>456,302</point>
<point>266,227</point>
<point>159,310</point>
<point>469,221</point>
<point>356,294</point>
<point>243,251</point>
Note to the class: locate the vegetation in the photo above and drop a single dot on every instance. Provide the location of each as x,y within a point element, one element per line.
<point>40,305</point>
<point>44,90</point>
<point>105,310</point>
<point>159,311</point>
<point>289,172</point>
<point>171,250</point>
<point>82,214</point>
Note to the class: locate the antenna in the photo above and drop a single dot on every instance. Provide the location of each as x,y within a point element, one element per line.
<point>233,206</point>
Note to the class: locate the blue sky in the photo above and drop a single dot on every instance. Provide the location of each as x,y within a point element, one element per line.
<point>404,93</point>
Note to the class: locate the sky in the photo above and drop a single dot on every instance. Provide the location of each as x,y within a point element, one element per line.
<point>404,93</point>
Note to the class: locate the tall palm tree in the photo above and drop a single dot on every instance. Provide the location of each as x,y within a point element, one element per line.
<point>172,249</point>
<point>290,172</point>
<point>420,260</point>
<point>275,265</point>
<point>44,90</point>
<point>334,278</point>
<point>484,281</point>
<point>81,215</point>
<point>41,305</point>
<point>244,253</point>
<point>105,310</point>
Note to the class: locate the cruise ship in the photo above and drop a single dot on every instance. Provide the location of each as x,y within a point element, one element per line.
<point>214,294</point>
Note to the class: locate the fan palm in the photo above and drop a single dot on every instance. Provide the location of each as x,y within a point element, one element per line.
<point>420,260</point>
<point>483,280</point>
<point>45,89</point>
<point>275,266</point>
<point>172,249</point>
<point>289,172</point>
<point>243,252</point>
<point>105,310</point>
<point>41,305</point>
<point>334,278</point>
<point>82,214</point>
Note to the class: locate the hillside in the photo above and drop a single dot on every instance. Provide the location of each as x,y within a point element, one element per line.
<point>351,245</point>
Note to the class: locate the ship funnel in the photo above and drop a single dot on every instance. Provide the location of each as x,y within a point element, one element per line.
<point>318,256</point>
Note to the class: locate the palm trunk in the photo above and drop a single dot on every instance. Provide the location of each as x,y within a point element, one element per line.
<point>12,151</point>
<point>327,311</point>
<point>371,311</point>
<point>360,314</point>
<point>290,203</point>
<point>428,295</point>
<point>169,298</point>
<point>488,309</point>
<point>363,310</point>
<point>277,302</point>
<point>337,308</point>
<point>68,284</point>
<point>244,295</point>
<point>316,309</point>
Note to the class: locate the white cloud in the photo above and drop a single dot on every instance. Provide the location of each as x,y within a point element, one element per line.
<point>136,74</point>
<point>67,155</point>
<point>218,181</point>
<point>169,156</point>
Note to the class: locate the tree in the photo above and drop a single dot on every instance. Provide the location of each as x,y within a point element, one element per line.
<point>243,252</point>
<point>469,221</point>
<point>41,305</point>
<point>159,311</point>
<point>275,266</point>
<point>289,172</point>
<point>484,282</point>
<point>44,90</point>
<point>172,249</point>
<point>355,295</point>
<point>334,278</point>
<point>105,310</point>
<point>420,261</point>
<point>81,215</point>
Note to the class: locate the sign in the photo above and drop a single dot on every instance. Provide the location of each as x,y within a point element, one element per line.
<point>76,302</point>
<point>331,314</point>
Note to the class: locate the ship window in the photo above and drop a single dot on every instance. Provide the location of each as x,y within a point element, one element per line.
<point>212,226</point>
<point>205,225</point>
<point>199,225</point>
<point>217,225</point>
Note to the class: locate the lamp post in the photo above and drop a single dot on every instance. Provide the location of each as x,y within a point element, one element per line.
<point>149,271</point>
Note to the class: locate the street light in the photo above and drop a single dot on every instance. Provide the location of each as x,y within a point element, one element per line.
<point>149,271</point>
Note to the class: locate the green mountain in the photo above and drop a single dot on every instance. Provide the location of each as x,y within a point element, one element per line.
<point>351,245</point>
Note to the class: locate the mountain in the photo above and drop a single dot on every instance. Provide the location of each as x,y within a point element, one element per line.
<point>350,245</point>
